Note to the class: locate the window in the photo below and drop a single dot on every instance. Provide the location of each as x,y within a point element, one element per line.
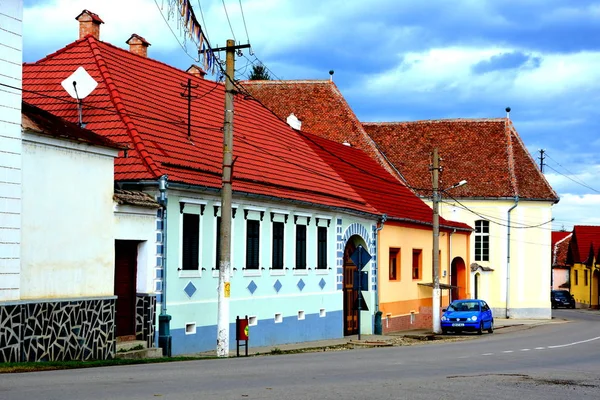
<point>218,250</point>
<point>252,243</point>
<point>322,247</point>
<point>576,277</point>
<point>394,264</point>
<point>482,240</point>
<point>300,246</point>
<point>277,262</point>
<point>585,278</point>
<point>416,264</point>
<point>190,242</point>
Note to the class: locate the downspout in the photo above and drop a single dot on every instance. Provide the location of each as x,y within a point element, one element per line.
<point>508,257</point>
<point>164,329</point>
<point>378,329</point>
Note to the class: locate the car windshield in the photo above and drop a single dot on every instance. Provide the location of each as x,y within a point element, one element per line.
<point>464,306</point>
<point>560,294</point>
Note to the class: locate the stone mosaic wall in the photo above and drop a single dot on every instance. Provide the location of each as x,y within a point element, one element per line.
<point>61,330</point>
<point>145,318</point>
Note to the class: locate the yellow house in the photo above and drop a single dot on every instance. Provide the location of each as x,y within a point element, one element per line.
<point>582,256</point>
<point>506,199</point>
<point>405,235</point>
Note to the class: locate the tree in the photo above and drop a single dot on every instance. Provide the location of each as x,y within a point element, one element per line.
<point>259,73</point>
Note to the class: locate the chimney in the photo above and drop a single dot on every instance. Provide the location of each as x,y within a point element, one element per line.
<point>196,71</point>
<point>89,24</point>
<point>138,45</point>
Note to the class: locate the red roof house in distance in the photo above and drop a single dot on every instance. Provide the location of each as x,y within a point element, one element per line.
<point>560,267</point>
<point>583,255</point>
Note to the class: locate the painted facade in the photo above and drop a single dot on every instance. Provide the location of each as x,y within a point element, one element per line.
<point>561,271</point>
<point>582,257</point>
<point>515,286</point>
<point>10,149</point>
<point>285,305</point>
<point>404,300</point>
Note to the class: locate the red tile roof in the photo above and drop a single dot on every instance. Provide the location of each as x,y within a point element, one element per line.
<point>488,153</point>
<point>560,246</point>
<point>585,243</point>
<point>40,121</point>
<point>375,184</point>
<point>321,108</point>
<point>138,102</point>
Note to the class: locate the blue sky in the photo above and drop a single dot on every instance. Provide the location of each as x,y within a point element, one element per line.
<point>401,60</point>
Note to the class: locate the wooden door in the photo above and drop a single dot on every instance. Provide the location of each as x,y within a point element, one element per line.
<point>350,295</point>
<point>125,286</point>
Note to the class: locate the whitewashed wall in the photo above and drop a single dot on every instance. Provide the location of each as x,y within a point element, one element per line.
<point>67,221</point>
<point>11,12</point>
<point>138,223</point>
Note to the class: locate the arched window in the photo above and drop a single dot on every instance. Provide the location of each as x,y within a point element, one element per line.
<point>482,240</point>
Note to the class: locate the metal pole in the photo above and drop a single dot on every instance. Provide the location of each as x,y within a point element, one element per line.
<point>435,303</point>
<point>225,262</point>
<point>359,288</point>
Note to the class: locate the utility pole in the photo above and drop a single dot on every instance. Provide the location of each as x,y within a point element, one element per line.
<point>188,94</point>
<point>224,288</point>
<point>435,303</point>
<point>542,151</point>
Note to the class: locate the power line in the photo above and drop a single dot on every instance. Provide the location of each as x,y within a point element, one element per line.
<point>174,35</point>
<point>228,21</point>
<point>203,21</point>
<point>579,182</point>
<point>244,19</point>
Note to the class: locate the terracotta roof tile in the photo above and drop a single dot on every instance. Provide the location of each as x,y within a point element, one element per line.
<point>560,247</point>
<point>38,120</point>
<point>138,103</point>
<point>585,243</point>
<point>375,184</point>
<point>321,108</point>
<point>488,153</point>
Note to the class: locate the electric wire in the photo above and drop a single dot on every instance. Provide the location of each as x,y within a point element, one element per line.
<point>573,180</point>
<point>174,35</point>
<point>244,19</point>
<point>203,21</point>
<point>229,21</point>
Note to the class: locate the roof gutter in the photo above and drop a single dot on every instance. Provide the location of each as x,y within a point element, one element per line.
<point>508,257</point>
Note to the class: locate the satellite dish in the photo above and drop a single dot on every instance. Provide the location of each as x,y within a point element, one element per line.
<point>79,84</point>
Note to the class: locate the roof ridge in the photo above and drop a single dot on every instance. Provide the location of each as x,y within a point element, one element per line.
<point>433,121</point>
<point>61,50</point>
<point>284,82</point>
<point>511,156</point>
<point>120,107</point>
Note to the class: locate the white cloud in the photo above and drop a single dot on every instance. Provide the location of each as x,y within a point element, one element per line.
<point>576,210</point>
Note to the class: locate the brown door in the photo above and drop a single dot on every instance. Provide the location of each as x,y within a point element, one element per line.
<point>125,277</point>
<point>350,295</point>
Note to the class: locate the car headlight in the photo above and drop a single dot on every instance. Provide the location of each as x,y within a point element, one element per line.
<point>444,318</point>
<point>474,318</point>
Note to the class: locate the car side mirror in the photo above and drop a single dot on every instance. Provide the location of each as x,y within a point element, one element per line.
<point>444,310</point>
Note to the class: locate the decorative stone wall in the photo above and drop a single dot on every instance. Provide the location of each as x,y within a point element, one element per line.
<point>57,330</point>
<point>145,317</point>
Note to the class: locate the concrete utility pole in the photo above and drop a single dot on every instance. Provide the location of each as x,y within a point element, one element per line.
<point>224,289</point>
<point>435,303</point>
<point>225,261</point>
<point>542,158</point>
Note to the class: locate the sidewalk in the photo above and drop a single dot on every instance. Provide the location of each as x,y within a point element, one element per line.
<point>389,339</point>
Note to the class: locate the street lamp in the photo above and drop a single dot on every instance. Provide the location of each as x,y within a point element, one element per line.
<point>436,241</point>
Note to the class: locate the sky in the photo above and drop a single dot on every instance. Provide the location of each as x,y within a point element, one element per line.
<point>399,61</point>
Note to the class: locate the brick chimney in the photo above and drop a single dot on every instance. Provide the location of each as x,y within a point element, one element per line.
<point>138,45</point>
<point>89,24</point>
<point>196,71</point>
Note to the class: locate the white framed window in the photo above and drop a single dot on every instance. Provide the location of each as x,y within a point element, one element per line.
<point>482,240</point>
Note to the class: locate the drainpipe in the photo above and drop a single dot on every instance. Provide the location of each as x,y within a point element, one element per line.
<point>508,257</point>
<point>378,329</point>
<point>164,320</point>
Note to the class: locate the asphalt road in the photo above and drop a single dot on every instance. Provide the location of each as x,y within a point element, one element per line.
<point>554,361</point>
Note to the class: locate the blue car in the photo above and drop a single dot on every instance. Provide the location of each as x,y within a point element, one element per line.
<point>468,315</point>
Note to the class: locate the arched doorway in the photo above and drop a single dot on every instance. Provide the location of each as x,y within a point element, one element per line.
<point>350,295</point>
<point>458,279</point>
<point>595,300</point>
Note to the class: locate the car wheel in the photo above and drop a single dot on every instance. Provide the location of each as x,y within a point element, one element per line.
<point>480,329</point>
<point>491,328</point>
